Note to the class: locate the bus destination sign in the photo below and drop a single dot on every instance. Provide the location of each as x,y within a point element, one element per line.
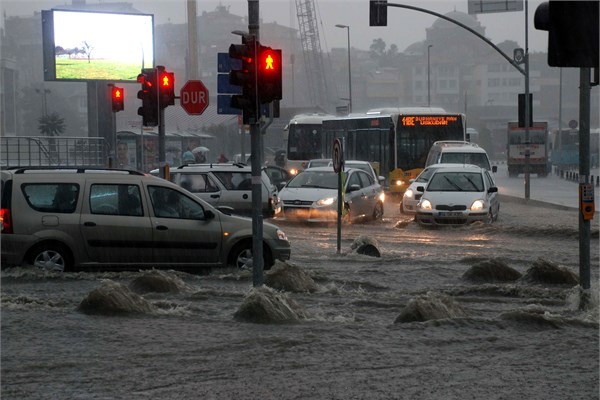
<point>430,120</point>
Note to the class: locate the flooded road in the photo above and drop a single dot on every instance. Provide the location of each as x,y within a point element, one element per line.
<point>480,312</point>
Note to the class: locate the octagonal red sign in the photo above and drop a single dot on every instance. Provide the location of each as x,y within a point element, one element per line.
<point>194,97</point>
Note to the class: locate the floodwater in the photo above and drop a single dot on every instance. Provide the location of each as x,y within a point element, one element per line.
<point>481,312</point>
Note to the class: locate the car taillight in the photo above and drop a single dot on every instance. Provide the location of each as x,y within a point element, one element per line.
<point>5,220</point>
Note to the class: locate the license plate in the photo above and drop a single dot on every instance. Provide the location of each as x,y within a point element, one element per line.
<point>450,214</point>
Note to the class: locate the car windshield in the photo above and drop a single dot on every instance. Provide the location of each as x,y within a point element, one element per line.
<point>479,159</point>
<point>456,182</point>
<point>315,179</point>
<point>425,175</point>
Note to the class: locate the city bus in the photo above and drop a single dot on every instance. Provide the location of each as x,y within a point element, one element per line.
<point>395,140</point>
<point>303,140</point>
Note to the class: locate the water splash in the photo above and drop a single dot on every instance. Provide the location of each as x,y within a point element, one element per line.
<point>265,305</point>
<point>114,298</point>
<point>290,278</point>
<point>544,271</point>
<point>492,270</point>
<point>431,306</point>
<point>158,282</point>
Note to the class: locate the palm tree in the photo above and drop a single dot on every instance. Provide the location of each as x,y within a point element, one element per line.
<point>51,125</point>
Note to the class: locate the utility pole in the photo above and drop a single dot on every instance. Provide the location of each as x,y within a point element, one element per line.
<point>256,161</point>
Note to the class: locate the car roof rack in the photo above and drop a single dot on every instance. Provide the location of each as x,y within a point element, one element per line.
<point>78,169</point>
<point>213,165</point>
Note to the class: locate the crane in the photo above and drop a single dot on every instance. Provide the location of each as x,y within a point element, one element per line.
<point>311,47</point>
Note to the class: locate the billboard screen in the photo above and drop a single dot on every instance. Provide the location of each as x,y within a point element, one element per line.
<point>84,46</point>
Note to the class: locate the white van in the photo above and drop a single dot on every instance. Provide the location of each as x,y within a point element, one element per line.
<point>458,152</point>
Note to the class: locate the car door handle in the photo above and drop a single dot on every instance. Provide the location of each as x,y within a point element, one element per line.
<point>215,196</point>
<point>161,228</point>
<point>88,223</point>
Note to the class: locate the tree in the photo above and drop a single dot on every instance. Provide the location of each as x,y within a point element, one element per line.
<point>87,50</point>
<point>51,125</point>
<point>377,49</point>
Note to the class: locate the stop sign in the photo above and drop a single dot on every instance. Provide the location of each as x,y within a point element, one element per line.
<point>194,97</point>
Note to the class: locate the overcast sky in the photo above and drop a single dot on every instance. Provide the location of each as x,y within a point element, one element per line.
<point>404,26</point>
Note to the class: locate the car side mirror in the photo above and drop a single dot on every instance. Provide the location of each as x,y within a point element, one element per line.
<point>352,188</point>
<point>281,185</point>
<point>494,169</point>
<point>493,189</point>
<point>421,189</point>
<point>208,214</point>
<point>381,178</point>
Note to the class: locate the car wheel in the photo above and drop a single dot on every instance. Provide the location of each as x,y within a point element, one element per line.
<point>402,208</point>
<point>241,256</point>
<point>51,257</point>
<point>378,212</point>
<point>490,217</point>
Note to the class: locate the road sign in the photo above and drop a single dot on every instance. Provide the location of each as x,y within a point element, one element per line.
<point>194,97</point>
<point>224,105</point>
<point>224,87</point>
<point>493,6</point>
<point>337,155</point>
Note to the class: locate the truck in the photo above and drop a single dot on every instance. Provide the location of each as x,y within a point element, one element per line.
<point>517,148</point>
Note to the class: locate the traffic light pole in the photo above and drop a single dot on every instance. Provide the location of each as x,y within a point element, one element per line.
<point>584,177</point>
<point>256,162</point>
<point>527,108</point>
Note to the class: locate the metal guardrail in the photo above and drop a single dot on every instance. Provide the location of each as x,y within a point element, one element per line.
<point>16,151</point>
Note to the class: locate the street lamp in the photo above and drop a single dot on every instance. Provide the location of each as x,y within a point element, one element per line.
<point>428,77</point>
<point>349,68</point>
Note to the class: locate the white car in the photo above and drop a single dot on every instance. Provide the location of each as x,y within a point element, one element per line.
<point>312,196</point>
<point>458,196</point>
<point>411,196</point>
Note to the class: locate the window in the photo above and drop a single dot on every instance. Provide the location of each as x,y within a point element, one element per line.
<point>197,183</point>
<point>111,199</point>
<point>169,203</point>
<point>52,197</point>
<point>235,180</point>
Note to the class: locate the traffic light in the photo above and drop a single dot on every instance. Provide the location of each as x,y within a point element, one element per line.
<point>245,77</point>
<point>572,32</point>
<point>149,97</point>
<point>269,74</point>
<point>166,87</point>
<point>117,96</point>
<point>378,13</point>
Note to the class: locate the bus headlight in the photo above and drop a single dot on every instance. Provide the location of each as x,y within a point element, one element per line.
<point>477,205</point>
<point>425,204</point>
<point>398,182</point>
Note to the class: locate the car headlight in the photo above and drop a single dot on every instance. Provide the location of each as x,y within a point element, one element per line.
<point>293,171</point>
<point>409,193</point>
<point>382,197</point>
<point>425,204</point>
<point>281,235</point>
<point>326,201</point>
<point>477,205</point>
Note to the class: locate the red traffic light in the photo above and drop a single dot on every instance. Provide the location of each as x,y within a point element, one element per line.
<point>270,61</point>
<point>117,96</point>
<point>166,90</point>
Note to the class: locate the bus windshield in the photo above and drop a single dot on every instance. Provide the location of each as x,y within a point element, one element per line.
<point>415,136</point>
<point>304,142</point>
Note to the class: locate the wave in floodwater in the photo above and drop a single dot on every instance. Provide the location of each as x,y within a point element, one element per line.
<point>534,230</point>
<point>265,305</point>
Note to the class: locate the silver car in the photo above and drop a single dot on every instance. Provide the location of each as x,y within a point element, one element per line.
<point>227,187</point>
<point>312,196</point>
